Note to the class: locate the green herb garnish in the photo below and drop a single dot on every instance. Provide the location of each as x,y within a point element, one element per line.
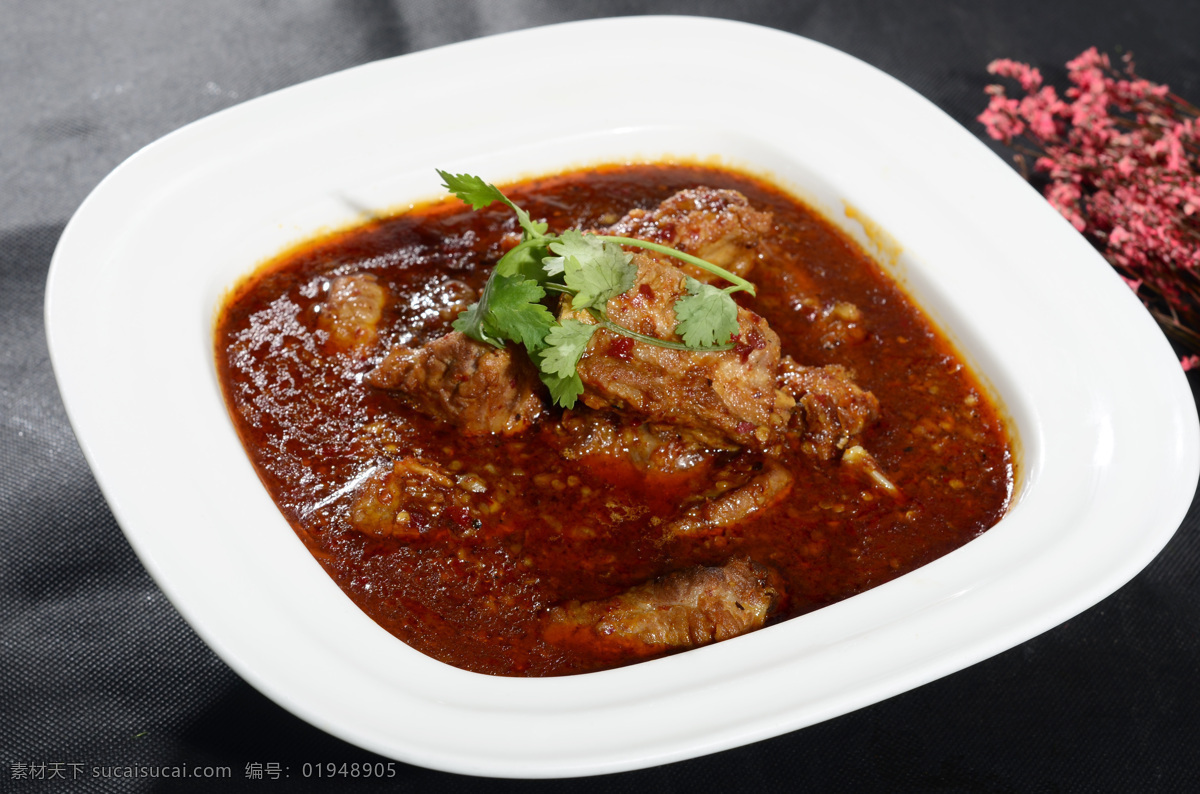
<point>590,269</point>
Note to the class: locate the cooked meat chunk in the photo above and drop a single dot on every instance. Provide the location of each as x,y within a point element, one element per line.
<point>840,323</point>
<point>691,607</point>
<point>736,501</point>
<point>650,448</point>
<point>722,397</point>
<point>476,387</point>
<point>401,501</point>
<point>351,312</point>
<point>717,225</point>
<point>422,314</point>
<point>831,408</point>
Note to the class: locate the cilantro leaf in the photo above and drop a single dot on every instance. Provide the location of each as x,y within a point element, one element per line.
<point>592,269</point>
<point>564,391</point>
<point>509,308</point>
<point>478,194</point>
<point>706,316</point>
<point>525,260</point>
<point>471,323</point>
<point>564,345</point>
<point>515,311</point>
<point>738,282</point>
<point>571,243</point>
<point>471,189</point>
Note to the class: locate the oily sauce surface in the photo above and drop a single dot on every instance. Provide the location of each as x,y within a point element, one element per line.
<point>472,590</point>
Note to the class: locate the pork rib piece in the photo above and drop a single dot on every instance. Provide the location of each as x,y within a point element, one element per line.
<point>723,397</point>
<point>650,448</point>
<point>477,388</point>
<point>830,407</point>
<point>398,502</point>
<point>759,491</point>
<point>351,312</point>
<point>719,226</point>
<point>684,609</point>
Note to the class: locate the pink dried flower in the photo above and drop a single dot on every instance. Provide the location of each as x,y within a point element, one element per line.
<point>1120,162</point>
<point>1029,78</point>
<point>1002,119</point>
<point>1064,197</point>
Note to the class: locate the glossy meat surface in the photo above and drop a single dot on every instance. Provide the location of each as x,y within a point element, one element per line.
<point>651,448</point>
<point>685,609</point>
<point>831,409</point>
<point>737,496</point>
<point>724,397</point>
<point>402,500</point>
<point>719,226</point>
<point>351,313</point>
<point>477,388</point>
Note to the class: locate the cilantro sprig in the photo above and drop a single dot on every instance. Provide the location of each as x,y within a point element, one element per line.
<point>590,269</point>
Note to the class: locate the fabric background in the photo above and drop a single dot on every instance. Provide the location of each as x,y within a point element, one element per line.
<point>97,667</point>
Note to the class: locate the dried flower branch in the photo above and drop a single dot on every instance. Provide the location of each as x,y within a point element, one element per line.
<point>1119,156</point>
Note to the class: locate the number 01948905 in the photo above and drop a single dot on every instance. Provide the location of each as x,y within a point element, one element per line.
<point>331,769</point>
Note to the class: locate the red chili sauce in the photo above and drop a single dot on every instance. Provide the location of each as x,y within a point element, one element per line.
<point>473,587</point>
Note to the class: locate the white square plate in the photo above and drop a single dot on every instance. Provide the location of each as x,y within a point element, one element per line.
<point>1106,424</point>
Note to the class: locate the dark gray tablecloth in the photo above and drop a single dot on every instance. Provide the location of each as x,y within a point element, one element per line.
<point>97,670</point>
